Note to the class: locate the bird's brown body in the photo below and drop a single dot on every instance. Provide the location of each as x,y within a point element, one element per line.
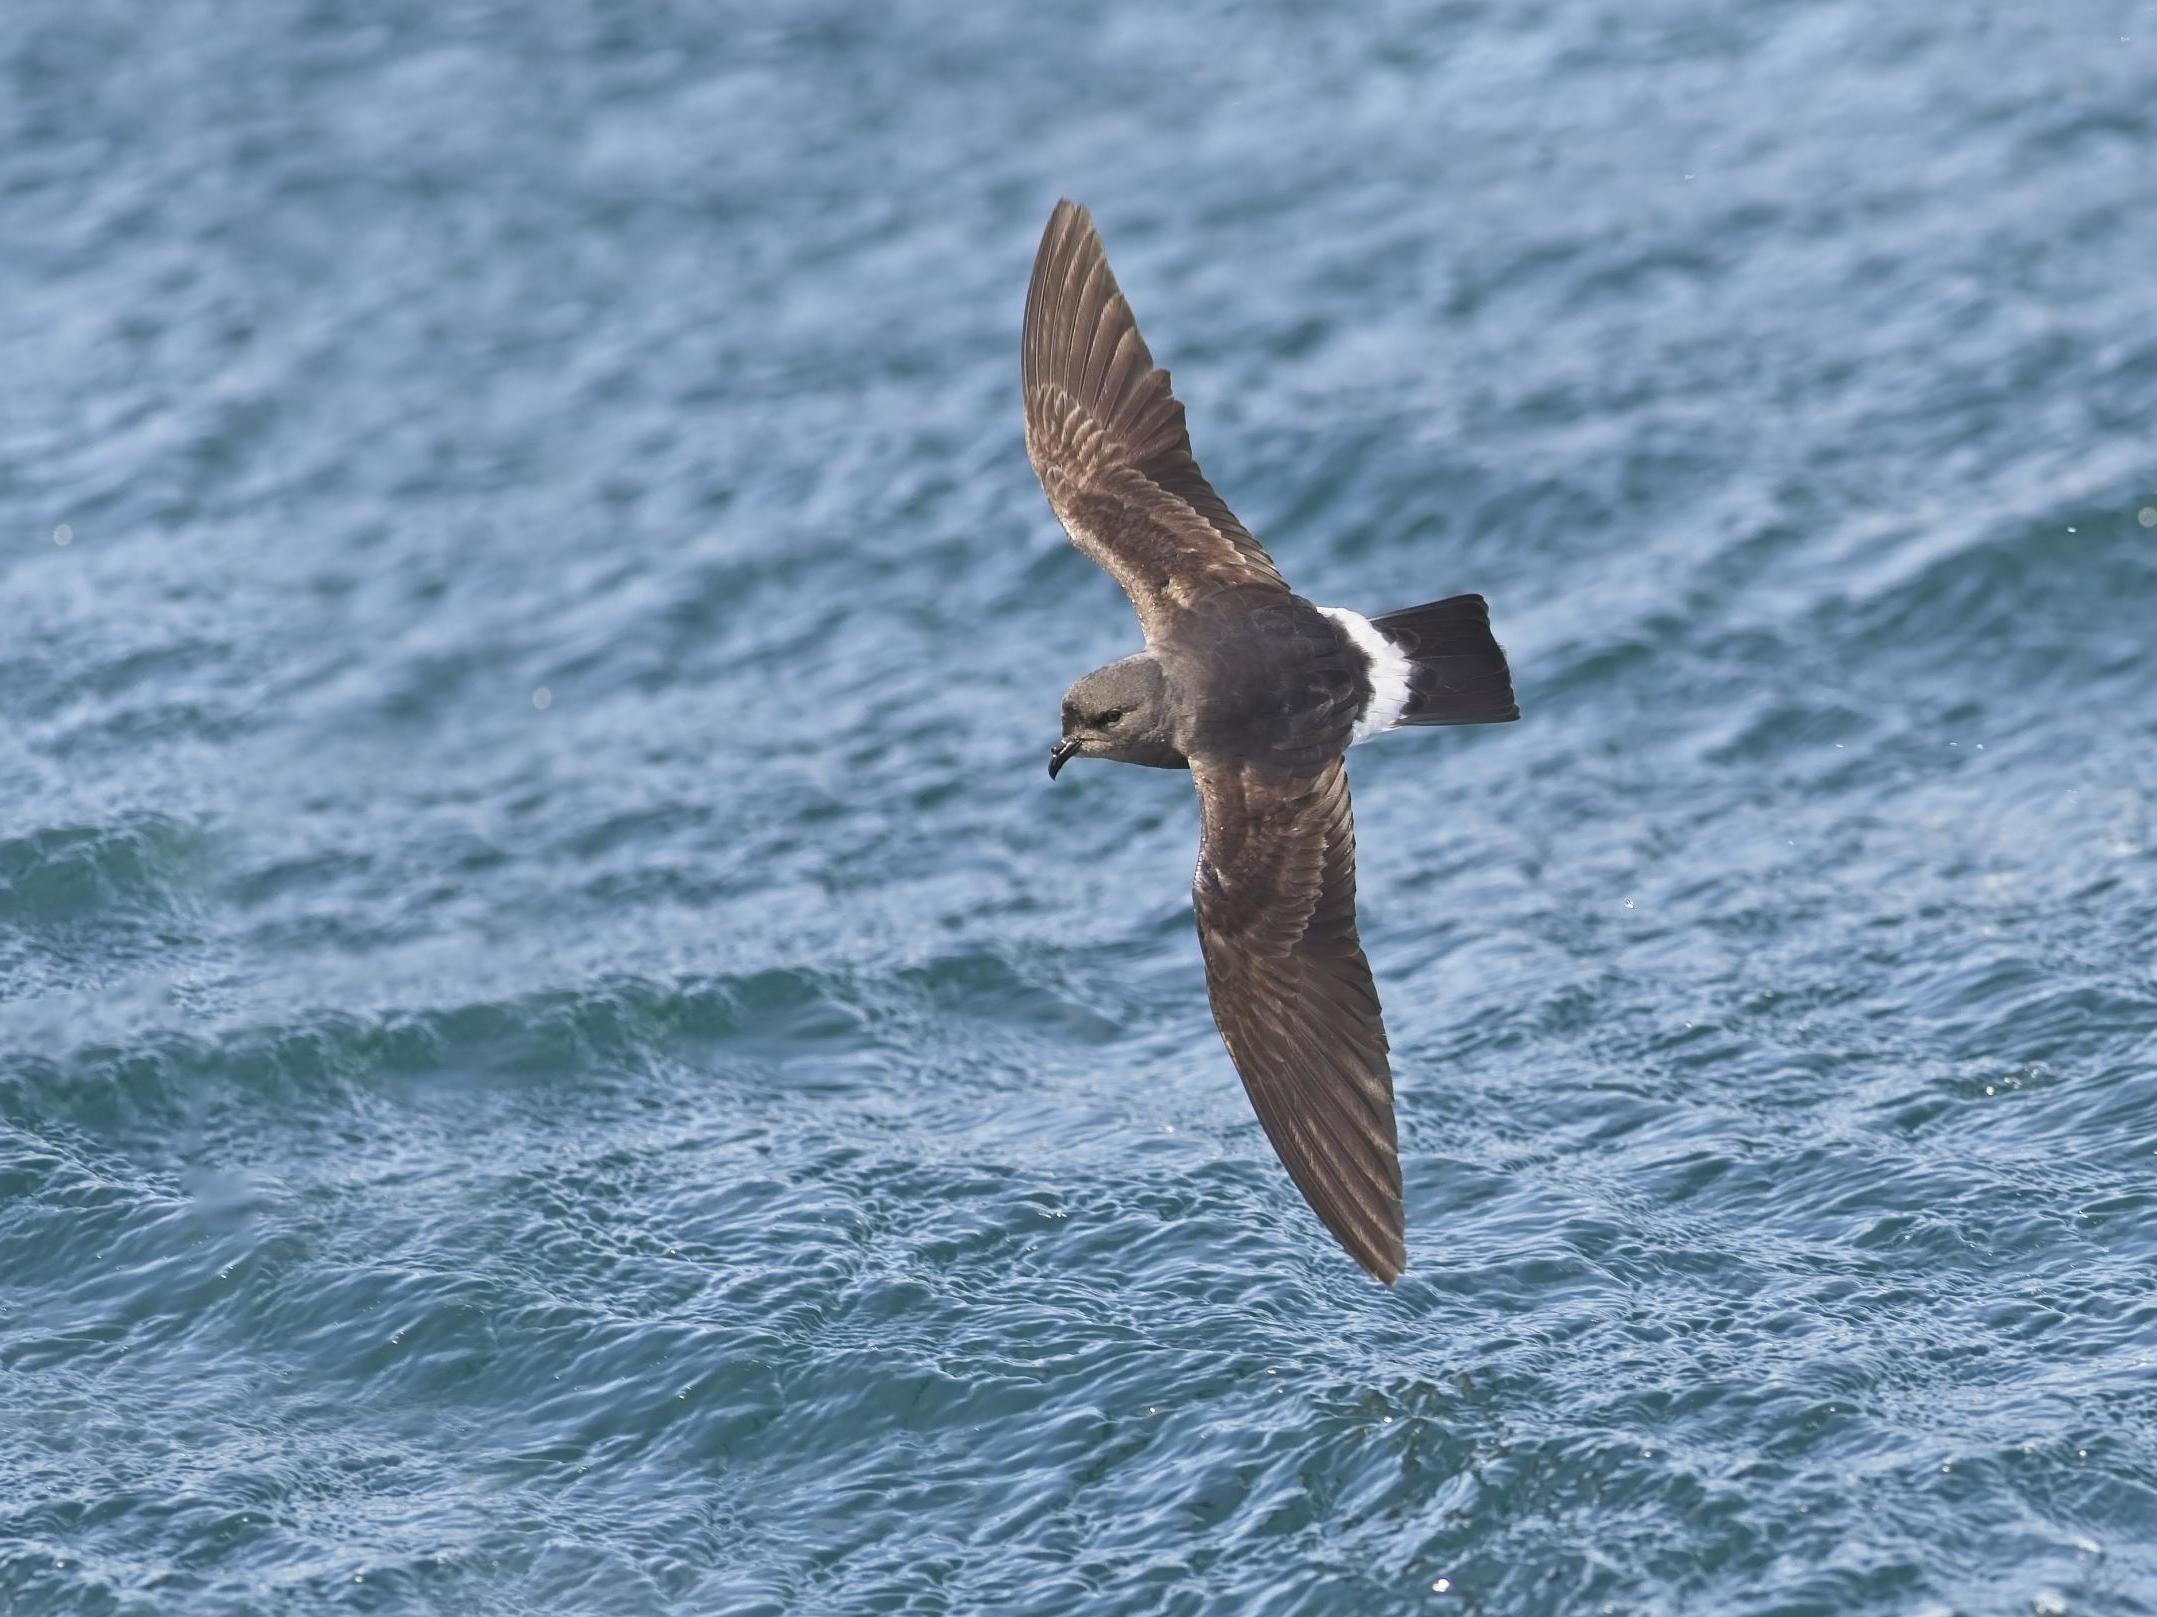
<point>1260,694</point>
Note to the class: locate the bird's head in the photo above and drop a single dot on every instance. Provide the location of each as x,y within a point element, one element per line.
<point>1119,712</point>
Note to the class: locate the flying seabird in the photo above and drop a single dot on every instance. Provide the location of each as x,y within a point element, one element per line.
<point>1259,694</point>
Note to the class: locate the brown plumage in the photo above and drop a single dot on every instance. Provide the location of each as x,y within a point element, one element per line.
<point>1292,994</point>
<point>1275,891</point>
<point>1107,440</point>
<point>1259,693</point>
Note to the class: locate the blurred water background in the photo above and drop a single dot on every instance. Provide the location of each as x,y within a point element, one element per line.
<point>559,1054</point>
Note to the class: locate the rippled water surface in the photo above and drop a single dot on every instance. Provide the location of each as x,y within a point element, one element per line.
<point>558,1053</point>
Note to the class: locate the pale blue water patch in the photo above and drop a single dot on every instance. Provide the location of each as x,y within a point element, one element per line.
<point>558,1053</point>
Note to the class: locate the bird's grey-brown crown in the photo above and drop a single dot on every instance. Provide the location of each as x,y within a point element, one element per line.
<point>1121,712</point>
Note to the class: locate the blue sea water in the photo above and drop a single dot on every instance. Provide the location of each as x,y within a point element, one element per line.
<point>559,1054</point>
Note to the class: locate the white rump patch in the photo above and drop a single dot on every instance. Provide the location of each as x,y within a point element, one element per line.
<point>1389,673</point>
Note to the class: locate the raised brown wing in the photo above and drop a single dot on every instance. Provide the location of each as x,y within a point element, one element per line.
<point>1107,439</point>
<point>1292,993</point>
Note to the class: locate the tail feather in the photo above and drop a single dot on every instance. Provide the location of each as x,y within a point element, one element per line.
<point>1457,671</point>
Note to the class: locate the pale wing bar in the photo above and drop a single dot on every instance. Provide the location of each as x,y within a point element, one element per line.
<point>1106,436</point>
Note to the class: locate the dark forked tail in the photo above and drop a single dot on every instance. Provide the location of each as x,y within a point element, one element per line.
<point>1457,672</point>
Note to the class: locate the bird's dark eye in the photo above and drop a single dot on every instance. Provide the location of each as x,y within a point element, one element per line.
<point>1108,718</point>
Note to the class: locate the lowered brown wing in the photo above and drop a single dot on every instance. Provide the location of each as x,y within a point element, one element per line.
<point>1292,993</point>
<point>1106,437</point>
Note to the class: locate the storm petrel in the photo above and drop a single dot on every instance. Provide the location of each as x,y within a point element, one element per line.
<point>1259,694</point>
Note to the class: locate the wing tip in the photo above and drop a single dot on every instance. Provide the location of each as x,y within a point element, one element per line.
<point>1069,224</point>
<point>1054,308</point>
<point>1383,1253</point>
